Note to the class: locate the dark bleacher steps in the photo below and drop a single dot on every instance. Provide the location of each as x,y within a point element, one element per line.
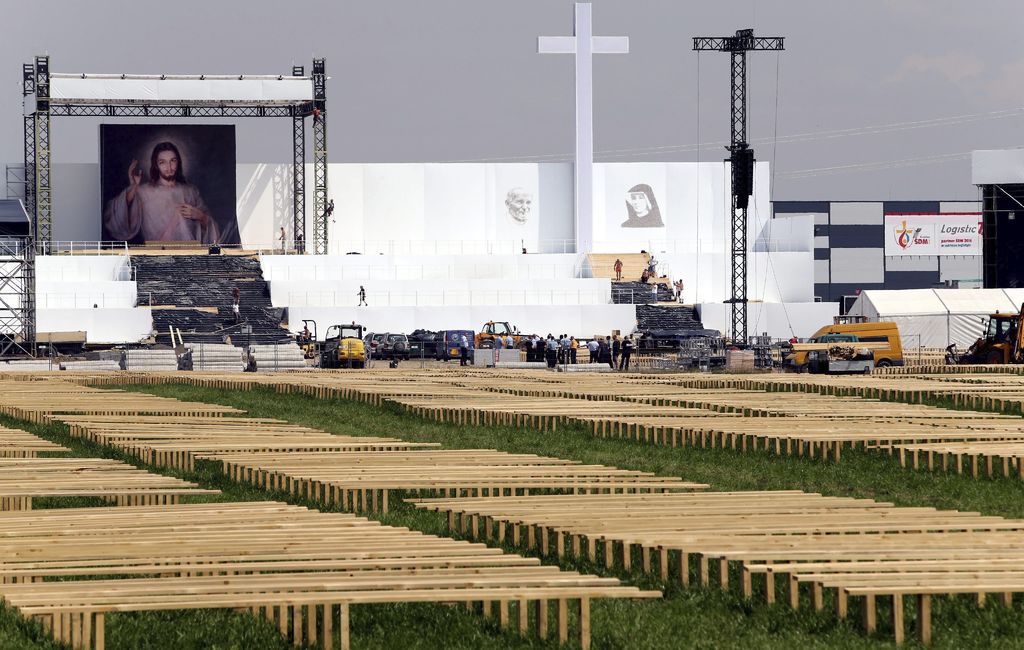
<point>665,318</point>
<point>197,293</point>
<point>638,293</point>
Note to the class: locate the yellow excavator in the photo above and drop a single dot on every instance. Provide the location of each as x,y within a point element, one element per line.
<point>1000,343</point>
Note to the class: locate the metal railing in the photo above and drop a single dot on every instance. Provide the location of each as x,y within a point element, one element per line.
<point>451,297</point>
<point>441,271</point>
<point>87,300</point>
<point>82,248</point>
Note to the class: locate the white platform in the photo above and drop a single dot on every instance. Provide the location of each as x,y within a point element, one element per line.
<point>100,325</point>
<point>96,294</point>
<point>778,320</point>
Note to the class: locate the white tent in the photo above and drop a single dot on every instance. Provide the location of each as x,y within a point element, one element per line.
<point>934,318</point>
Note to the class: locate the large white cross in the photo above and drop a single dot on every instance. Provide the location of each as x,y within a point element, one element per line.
<point>584,45</point>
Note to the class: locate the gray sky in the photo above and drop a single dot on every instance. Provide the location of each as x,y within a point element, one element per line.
<point>920,82</point>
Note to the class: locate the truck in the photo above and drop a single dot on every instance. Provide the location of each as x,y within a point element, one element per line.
<point>1000,342</point>
<point>891,354</point>
<point>835,354</point>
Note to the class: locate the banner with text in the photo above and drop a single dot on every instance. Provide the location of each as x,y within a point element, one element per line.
<point>933,234</point>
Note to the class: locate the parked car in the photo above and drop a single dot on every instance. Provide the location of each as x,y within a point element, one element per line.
<point>374,342</point>
<point>396,346</point>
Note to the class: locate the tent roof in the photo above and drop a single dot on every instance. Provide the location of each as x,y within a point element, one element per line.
<point>904,302</point>
<point>975,301</point>
<point>922,302</point>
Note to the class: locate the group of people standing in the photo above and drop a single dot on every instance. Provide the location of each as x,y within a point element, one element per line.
<point>614,351</point>
<point>552,350</point>
<point>555,350</point>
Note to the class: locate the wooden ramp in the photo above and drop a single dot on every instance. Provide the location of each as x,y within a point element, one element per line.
<point>602,265</point>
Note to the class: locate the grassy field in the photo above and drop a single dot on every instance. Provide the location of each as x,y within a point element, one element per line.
<point>692,618</point>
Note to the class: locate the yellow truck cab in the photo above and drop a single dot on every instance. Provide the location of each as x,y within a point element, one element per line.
<point>884,332</point>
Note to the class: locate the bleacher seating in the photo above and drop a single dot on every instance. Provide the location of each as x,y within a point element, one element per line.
<point>666,318</point>
<point>638,293</point>
<point>194,294</point>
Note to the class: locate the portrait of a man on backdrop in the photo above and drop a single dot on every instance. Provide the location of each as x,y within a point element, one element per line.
<point>163,193</point>
<point>518,203</point>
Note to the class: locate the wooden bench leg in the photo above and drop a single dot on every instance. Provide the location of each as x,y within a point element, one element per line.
<point>924,618</point>
<point>297,626</point>
<point>563,620</point>
<point>343,627</point>
<point>897,618</point>
<point>870,621</point>
<point>585,623</point>
<point>542,618</point>
<point>311,611</point>
<point>99,631</point>
<point>328,628</point>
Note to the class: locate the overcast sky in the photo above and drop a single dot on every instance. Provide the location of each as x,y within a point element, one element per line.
<point>887,97</point>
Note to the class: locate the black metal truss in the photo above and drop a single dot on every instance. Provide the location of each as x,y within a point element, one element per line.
<point>743,40</point>
<point>42,222</point>
<point>738,46</point>
<point>299,182</point>
<point>17,297</point>
<point>319,157</point>
<point>43,199</point>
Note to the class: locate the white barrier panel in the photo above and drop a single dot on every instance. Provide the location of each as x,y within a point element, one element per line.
<point>579,321</point>
<point>307,268</point>
<point>778,320</point>
<point>590,291</point>
<point>74,268</point>
<point>51,294</point>
<point>100,325</point>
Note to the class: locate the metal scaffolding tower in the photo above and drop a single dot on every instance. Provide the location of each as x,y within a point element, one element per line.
<point>741,159</point>
<point>319,157</point>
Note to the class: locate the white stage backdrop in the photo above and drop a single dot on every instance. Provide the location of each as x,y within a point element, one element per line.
<point>670,209</point>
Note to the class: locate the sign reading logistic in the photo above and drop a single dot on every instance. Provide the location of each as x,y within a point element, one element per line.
<point>933,234</point>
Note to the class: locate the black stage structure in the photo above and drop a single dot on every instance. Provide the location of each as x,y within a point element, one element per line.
<point>1002,235</point>
<point>36,79</point>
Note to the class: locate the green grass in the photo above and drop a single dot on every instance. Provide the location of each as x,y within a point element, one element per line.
<point>686,618</point>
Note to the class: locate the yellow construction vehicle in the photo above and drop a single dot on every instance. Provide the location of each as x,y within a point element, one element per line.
<point>343,347</point>
<point>494,329</point>
<point>1000,343</point>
